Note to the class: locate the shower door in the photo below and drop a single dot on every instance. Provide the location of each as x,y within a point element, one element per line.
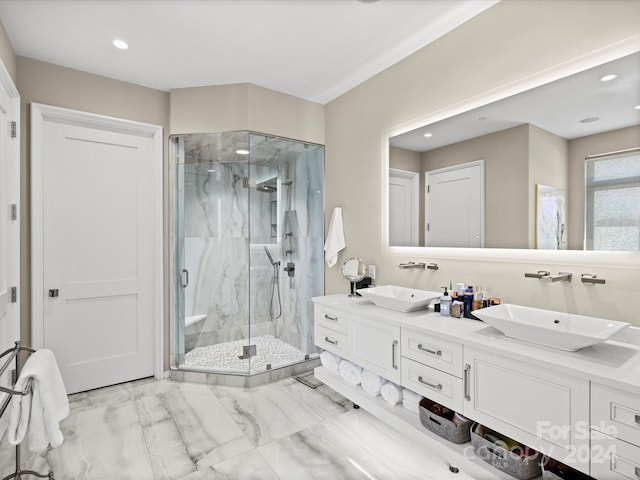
<point>248,243</point>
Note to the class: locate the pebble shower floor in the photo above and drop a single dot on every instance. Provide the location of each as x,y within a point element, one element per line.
<point>225,356</point>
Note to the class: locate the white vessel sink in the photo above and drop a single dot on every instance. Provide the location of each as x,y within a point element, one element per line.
<point>564,331</point>
<point>400,299</point>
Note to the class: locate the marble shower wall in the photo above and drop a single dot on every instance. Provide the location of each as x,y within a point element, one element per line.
<point>227,224</point>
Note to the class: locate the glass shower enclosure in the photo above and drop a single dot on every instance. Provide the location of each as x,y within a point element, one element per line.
<point>248,251</point>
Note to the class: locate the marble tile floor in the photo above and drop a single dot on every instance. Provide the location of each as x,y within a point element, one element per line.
<point>164,430</point>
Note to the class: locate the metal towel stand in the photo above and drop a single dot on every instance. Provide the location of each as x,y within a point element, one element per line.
<point>14,353</point>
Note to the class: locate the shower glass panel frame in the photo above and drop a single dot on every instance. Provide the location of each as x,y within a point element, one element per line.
<point>248,243</point>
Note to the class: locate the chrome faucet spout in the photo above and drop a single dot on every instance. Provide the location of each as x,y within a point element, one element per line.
<point>413,265</point>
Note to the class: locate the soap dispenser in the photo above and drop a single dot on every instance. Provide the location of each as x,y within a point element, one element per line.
<point>445,303</point>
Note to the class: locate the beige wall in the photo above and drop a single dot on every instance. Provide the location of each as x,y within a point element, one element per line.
<point>245,106</point>
<point>7,55</point>
<point>508,42</point>
<point>548,158</point>
<point>505,154</point>
<point>579,149</point>
<point>63,87</point>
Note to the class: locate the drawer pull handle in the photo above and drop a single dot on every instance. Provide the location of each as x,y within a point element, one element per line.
<point>437,353</point>
<point>394,347</point>
<point>332,342</point>
<point>467,369</point>
<point>432,385</point>
<point>637,472</point>
<point>329,317</point>
<point>638,419</point>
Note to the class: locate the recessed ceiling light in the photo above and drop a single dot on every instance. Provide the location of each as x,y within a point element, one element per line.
<point>428,135</point>
<point>242,151</point>
<point>589,120</point>
<point>121,44</point>
<point>608,78</point>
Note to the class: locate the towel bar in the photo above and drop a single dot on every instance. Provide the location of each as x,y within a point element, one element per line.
<point>14,353</point>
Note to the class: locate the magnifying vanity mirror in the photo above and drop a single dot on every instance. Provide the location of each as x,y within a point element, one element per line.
<point>556,167</point>
<point>354,270</point>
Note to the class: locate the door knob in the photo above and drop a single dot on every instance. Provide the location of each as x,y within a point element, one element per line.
<point>53,293</point>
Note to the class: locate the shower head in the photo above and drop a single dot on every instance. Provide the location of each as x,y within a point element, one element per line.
<point>268,186</point>
<point>270,257</point>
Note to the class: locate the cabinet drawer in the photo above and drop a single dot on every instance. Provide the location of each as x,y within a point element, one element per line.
<point>438,386</point>
<point>615,413</point>
<point>331,340</point>
<point>614,459</point>
<point>333,319</point>
<point>432,351</point>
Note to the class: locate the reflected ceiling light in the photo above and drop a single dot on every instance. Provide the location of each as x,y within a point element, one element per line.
<point>428,135</point>
<point>637,107</point>
<point>121,44</point>
<point>589,120</point>
<point>608,78</point>
<point>242,151</point>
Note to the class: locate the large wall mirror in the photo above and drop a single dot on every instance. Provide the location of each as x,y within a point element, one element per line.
<point>555,167</point>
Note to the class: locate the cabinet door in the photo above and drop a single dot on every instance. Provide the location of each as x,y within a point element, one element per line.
<point>542,409</point>
<point>375,345</point>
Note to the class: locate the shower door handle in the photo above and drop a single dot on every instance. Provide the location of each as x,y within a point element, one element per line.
<point>184,278</point>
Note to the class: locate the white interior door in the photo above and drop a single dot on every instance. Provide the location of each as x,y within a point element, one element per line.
<point>9,223</point>
<point>455,206</point>
<point>99,265</point>
<point>403,207</point>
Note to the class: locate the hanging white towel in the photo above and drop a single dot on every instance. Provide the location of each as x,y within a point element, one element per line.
<point>391,392</point>
<point>39,413</point>
<point>371,382</point>
<point>335,238</point>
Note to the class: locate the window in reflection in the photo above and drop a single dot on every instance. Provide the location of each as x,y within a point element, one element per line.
<point>612,219</point>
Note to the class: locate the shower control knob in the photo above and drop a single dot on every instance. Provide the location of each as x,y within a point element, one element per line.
<point>290,268</point>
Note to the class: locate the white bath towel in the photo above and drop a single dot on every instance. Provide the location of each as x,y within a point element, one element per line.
<point>411,400</point>
<point>331,362</point>
<point>335,238</point>
<point>39,413</point>
<point>371,382</point>
<point>391,392</point>
<point>350,372</point>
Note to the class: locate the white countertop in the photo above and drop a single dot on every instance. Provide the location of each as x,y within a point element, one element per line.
<point>611,363</point>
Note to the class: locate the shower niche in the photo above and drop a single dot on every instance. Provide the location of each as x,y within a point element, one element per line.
<point>248,251</point>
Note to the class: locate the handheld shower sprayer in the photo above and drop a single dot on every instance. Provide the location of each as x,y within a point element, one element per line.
<point>273,263</point>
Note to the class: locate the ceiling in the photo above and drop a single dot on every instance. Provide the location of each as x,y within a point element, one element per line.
<point>558,107</point>
<point>313,49</point>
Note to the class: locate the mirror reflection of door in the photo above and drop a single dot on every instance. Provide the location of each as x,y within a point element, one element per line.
<point>454,201</point>
<point>403,207</point>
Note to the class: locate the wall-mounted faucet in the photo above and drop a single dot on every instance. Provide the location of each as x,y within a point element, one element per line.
<point>546,275</point>
<point>422,265</point>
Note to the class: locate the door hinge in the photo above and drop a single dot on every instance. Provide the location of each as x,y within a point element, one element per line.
<point>428,188</point>
<point>14,294</point>
<point>14,129</point>
<point>14,211</point>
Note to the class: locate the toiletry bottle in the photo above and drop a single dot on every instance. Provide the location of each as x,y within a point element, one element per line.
<point>468,301</point>
<point>445,303</point>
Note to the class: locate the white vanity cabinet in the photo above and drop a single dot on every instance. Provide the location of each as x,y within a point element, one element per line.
<point>544,410</point>
<point>330,329</point>
<point>375,345</point>
<point>615,433</point>
<point>432,367</point>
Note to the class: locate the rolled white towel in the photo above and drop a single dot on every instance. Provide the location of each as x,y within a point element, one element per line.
<point>350,372</point>
<point>391,392</point>
<point>371,382</point>
<point>331,362</point>
<point>411,400</point>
